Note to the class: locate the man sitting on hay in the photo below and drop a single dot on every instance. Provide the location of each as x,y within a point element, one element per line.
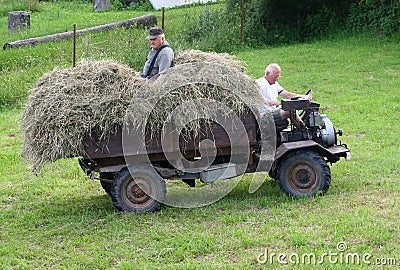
<point>161,55</point>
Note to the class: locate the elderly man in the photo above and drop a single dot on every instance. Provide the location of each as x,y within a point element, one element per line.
<point>270,90</point>
<point>161,55</point>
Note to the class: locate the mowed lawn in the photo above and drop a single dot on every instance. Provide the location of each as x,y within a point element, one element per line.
<point>60,219</point>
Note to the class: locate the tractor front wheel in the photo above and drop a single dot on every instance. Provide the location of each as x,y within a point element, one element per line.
<point>303,174</point>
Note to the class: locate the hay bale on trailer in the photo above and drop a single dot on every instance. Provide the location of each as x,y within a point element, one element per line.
<point>193,83</point>
<point>68,104</point>
<point>190,56</point>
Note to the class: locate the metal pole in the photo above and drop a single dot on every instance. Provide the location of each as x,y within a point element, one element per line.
<point>74,57</point>
<point>241,23</point>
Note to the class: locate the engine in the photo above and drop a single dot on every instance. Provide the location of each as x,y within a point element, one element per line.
<point>322,128</point>
<point>318,126</point>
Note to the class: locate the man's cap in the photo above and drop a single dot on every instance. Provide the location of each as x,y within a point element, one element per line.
<point>155,32</point>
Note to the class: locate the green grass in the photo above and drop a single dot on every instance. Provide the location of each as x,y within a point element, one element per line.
<point>60,219</point>
<point>60,16</point>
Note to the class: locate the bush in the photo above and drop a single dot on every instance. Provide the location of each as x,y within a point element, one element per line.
<point>214,29</point>
<point>292,21</point>
<point>322,23</point>
<point>144,5</point>
<point>288,21</point>
<point>377,16</point>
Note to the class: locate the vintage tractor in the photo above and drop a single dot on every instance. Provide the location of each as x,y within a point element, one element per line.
<point>302,154</point>
<point>134,176</point>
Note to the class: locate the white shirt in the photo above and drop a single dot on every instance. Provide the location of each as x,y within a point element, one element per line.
<point>268,91</point>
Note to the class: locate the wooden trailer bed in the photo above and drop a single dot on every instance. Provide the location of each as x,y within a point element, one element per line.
<point>112,152</point>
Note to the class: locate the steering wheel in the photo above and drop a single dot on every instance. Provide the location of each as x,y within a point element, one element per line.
<point>309,92</point>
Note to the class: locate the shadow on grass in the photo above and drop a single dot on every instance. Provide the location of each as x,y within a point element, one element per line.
<point>85,203</point>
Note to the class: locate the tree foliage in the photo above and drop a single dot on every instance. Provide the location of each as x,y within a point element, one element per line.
<point>290,21</point>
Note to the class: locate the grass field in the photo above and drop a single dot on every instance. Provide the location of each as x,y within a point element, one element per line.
<point>60,219</point>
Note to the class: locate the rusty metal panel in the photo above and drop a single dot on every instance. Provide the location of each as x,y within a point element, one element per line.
<point>286,147</point>
<point>336,150</point>
<point>297,104</point>
<point>218,172</point>
<point>119,144</point>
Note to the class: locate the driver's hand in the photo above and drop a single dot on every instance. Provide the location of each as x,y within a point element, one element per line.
<point>274,103</point>
<point>309,97</point>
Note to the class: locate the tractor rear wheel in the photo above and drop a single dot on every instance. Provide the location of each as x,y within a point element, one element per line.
<point>138,188</point>
<point>303,174</point>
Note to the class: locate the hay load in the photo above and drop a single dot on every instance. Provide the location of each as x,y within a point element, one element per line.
<point>191,56</point>
<point>66,105</point>
<point>196,91</point>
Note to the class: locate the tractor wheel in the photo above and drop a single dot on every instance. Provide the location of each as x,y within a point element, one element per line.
<point>106,179</point>
<point>303,174</point>
<point>138,188</point>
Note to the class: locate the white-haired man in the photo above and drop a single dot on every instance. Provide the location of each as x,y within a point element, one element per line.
<point>161,55</point>
<point>270,90</point>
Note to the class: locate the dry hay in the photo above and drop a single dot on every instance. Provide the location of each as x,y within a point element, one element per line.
<point>195,91</point>
<point>66,105</point>
<point>191,56</point>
